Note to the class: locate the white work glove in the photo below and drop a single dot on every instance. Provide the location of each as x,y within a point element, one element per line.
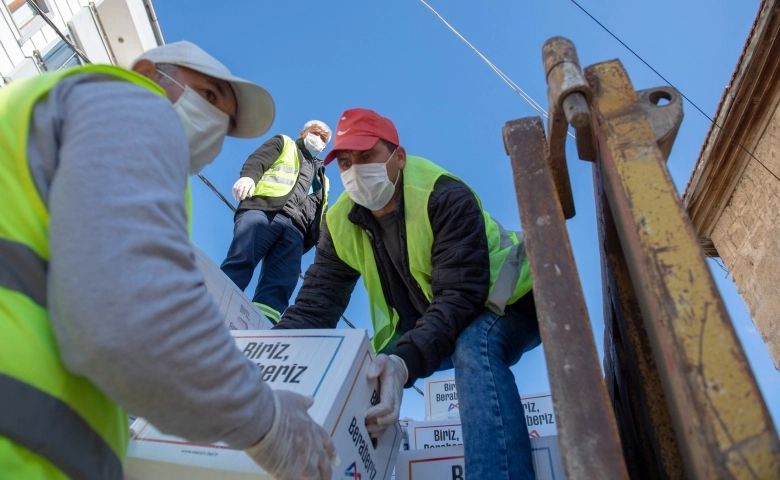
<point>243,188</point>
<point>392,374</point>
<point>295,448</point>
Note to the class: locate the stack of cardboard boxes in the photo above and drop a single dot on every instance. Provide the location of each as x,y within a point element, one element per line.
<point>436,445</point>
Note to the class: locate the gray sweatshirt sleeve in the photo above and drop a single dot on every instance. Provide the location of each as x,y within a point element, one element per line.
<point>128,305</point>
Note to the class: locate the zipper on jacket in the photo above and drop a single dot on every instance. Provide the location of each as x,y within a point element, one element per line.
<point>383,282</point>
<point>405,259</point>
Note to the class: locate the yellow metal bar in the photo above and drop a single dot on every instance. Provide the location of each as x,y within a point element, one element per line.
<point>720,418</point>
<point>640,403</point>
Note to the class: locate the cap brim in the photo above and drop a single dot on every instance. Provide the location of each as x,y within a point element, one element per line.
<point>255,109</point>
<point>353,142</point>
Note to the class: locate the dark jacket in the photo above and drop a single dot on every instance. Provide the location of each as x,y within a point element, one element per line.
<point>304,209</point>
<point>460,278</point>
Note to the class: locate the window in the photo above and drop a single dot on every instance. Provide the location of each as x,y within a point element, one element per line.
<point>60,56</point>
<point>26,17</point>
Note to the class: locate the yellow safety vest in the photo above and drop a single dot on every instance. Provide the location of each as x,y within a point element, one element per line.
<point>281,176</point>
<point>510,277</point>
<point>53,424</point>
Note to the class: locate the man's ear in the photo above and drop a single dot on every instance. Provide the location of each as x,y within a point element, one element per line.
<point>147,68</point>
<point>400,153</point>
<point>300,135</point>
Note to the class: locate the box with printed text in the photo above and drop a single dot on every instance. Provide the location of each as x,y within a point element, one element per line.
<point>446,432</point>
<point>330,365</point>
<point>235,308</point>
<point>436,435</point>
<point>444,463</point>
<point>441,399</point>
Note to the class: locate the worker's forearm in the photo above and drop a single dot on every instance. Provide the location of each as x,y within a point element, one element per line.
<point>128,306</point>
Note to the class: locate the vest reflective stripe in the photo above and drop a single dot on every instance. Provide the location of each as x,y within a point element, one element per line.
<point>281,180</point>
<point>74,448</point>
<point>270,313</point>
<point>509,275</point>
<point>282,168</point>
<point>23,271</point>
<point>29,355</point>
<point>281,176</point>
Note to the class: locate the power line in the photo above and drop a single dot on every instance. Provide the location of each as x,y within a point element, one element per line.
<point>681,93</point>
<point>501,74</point>
<point>498,72</point>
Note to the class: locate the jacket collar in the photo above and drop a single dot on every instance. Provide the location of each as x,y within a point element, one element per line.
<point>306,154</point>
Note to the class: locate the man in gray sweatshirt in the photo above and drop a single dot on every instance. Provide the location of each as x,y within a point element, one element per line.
<point>102,308</point>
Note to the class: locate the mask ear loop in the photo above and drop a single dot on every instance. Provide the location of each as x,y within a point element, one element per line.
<point>399,170</point>
<point>171,79</point>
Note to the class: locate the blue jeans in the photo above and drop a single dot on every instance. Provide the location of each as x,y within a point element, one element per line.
<point>495,437</point>
<point>274,239</point>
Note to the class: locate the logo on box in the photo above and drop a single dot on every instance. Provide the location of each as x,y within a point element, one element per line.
<point>352,472</point>
<point>453,406</point>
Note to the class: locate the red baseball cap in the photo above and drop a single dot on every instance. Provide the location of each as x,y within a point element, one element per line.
<point>359,129</point>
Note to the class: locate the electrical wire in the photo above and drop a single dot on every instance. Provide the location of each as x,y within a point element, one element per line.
<point>501,75</point>
<point>64,38</point>
<point>681,93</point>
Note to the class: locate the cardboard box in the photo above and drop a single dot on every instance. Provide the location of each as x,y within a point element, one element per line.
<point>434,434</point>
<point>445,432</point>
<point>441,399</point>
<point>441,403</point>
<point>237,310</point>
<point>330,365</point>
<point>448,462</point>
<point>539,414</point>
<point>444,463</point>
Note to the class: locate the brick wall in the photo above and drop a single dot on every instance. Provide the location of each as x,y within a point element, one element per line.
<point>747,237</point>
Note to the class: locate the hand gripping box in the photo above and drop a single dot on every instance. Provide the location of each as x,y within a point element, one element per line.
<point>330,365</point>
<point>237,311</point>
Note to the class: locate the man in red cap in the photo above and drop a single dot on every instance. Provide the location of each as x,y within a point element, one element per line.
<point>447,286</point>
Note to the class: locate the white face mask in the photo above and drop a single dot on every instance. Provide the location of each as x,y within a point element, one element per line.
<point>205,125</point>
<point>368,184</point>
<point>313,144</point>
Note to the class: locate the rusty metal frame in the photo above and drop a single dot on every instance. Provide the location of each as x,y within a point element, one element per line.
<point>587,432</point>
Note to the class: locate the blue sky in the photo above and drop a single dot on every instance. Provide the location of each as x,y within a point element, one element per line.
<point>320,58</point>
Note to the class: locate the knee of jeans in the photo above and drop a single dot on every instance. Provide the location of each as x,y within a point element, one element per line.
<point>471,349</point>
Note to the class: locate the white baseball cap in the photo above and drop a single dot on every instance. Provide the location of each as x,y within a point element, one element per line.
<point>254,106</point>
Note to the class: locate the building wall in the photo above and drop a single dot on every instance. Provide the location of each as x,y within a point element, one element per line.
<point>747,237</point>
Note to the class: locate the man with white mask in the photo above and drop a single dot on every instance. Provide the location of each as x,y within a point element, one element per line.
<point>283,195</point>
<point>102,308</point>
<point>447,287</point>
